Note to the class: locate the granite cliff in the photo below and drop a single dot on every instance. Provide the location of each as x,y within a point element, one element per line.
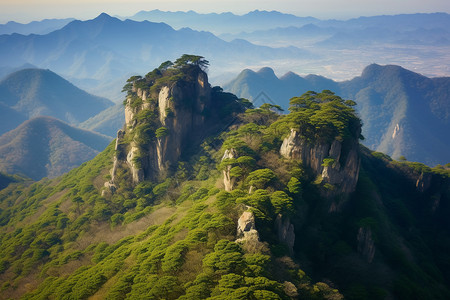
<point>167,114</point>
<point>334,165</point>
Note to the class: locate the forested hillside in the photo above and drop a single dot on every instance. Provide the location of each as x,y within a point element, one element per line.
<point>203,196</point>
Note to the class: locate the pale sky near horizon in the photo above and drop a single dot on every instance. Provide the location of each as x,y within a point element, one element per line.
<point>31,10</point>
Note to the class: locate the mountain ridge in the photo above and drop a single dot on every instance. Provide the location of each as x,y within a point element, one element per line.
<point>88,49</point>
<point>35,27</point>
<point>387,97</point>
<point>34,92</point>
<point>47,147</point>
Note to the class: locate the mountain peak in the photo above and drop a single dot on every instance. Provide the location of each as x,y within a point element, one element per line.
<point>33,92</point>
<point>386,71</point>
<point>45,146</point>
<point>177,122</point>
<point>267,73</point>
<point>290,75</point>
<point>103,16</point>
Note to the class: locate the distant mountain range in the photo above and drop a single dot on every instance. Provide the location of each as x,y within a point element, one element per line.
<point>275,28</point>
<point>35,27</point>
<point>106,48</point>
<point>46,147</point>
<point>99,54</point>
<point>264,86</point>
<point>35,92</point>
<point>404,113</point>
<point>42,146</point>
<point>224,22</point>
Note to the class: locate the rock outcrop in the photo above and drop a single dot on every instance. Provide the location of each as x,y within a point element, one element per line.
<point>228,181</point>
<point>366,245</point>
<point>246,229</point>
<point>110,186</point>
<point>180,108</point>
<point>285,232</point>
<point>166,117</point>
<point>336,162</point>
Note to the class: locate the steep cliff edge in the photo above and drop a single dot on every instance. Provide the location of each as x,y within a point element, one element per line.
<point>333,165</point>
<point>324,136</point>
<point>167,114</point>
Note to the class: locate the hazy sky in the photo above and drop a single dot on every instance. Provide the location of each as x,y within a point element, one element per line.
<point>29,10</point>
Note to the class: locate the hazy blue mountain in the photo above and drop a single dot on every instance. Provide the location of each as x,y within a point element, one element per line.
<point>382,35</point>
<point>106,48</point>
<point>290,35</point>
<point>35,27</point>
<point>35,92</point>
<point>404,113</point>
<point>9,118</point>
<point>224,22</point>
<point>6,70</point>
<point>46,147</point>
<point>402,22</point>
<point>275,28</point>
<point>106,122</point>
<point>264,86</point>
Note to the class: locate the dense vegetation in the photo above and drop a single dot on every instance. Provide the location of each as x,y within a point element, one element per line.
<point>167,73</point>
<point>176,237</point>
<point>158,241</point>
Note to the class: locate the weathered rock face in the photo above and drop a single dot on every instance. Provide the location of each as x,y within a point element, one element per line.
<point>181,111</point>
<point>366,245</point>
<point>228,181</point>
<point>110,186</point>
<point>341,168</point>
<point>285,231</point>
<point>246,229</point>
<point>137,172</point>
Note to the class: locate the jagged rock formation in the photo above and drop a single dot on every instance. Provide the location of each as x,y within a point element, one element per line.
<point>119,149</point>
<point>228,181</point>
<point>166,116</point>
<point>181,121</point>
<point>337,165</point>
